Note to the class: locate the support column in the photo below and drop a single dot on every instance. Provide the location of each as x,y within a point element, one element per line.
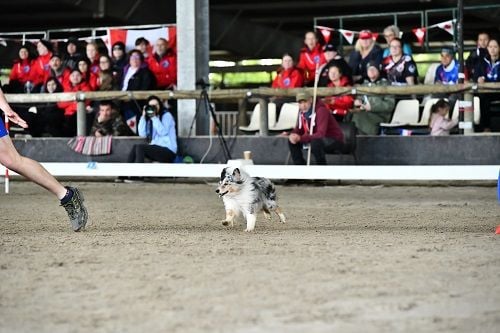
<point>193,47</point>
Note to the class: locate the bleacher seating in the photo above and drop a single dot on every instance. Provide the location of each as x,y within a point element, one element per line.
<point>287,118</point>
<point>254,125</point>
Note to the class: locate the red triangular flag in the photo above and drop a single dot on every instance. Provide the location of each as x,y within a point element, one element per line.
<point>348,35</point>
<point>420,33</point>
<point>326,34</point>
<point>497,232</point>
<point>448,26</point>
<point>375,35</point>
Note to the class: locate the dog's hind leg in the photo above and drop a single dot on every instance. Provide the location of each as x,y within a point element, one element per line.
<point>230,214</point>
<point>278,212</point>
<point>251,218</point>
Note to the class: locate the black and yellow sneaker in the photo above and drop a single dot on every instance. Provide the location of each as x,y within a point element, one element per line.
<point>76,210</point>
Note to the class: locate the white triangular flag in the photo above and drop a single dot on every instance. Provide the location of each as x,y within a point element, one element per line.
<point>348,35</point>
<point>448,26</point>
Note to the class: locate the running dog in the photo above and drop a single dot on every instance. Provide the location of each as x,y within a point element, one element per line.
<point>247,195</point>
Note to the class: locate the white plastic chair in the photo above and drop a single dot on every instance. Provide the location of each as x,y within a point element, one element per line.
<point>254,124</point>
<point>477,110</point>
<point>405,113</point>
<point>287,118</point>
<point>426,113</point>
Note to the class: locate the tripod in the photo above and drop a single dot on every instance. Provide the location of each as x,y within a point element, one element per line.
<point>208,106</point>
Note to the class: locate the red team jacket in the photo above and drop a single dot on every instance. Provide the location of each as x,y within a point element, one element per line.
<point>41,68</point>
<point>70,107</point>
<point>289,78</point>
<point>340,105</point>
<point>307,61</point>
<point>22,71</point>
<point>164,69</point>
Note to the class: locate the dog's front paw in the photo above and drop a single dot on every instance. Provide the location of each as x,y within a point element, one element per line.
<point>249,230</point>
<point>225,223</point>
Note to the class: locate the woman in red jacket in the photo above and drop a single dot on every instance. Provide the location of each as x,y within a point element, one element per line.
<point>338,105</point>
<point>41,68</point>
<point>288,75</point>
<point>22,72</point>
<point>311,57</point>
<point>75,84</point>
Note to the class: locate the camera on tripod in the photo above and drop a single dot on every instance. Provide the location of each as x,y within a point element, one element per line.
<point>150,111</point>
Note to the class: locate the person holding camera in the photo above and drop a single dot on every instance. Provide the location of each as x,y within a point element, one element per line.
<point>158,125</point>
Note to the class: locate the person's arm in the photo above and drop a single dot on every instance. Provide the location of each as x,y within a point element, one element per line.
<point>13,117</point>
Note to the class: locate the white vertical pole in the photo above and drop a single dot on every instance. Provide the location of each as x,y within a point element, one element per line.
<point>6,170</point>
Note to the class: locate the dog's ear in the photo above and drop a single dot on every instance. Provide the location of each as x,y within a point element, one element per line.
<point>223,174</point>
<point>237,174</point>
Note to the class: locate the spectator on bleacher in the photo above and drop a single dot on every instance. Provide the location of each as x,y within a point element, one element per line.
<point>371,110</point>
<point>75,84</point>
<point>158,126</point>
<point>439,123</point>
<point>310,57</point>
<point>20,78</point>
<point>41,68</point>
<point>72,55</point>
<point>137,76</point>
<point>88,77</point>
<point>119,59</point>
<point>106,81</point>
<point>92,53</point>
<point>143,45</point>
<point>478,54</point>
<point>163,64</point>
<point>49,117</point>
<point>333,57</point>
<point>365,50</point>
<point>338,105</point>
<point>400,69</point>
<point>326,137</point>
<point>57,70</point>
<point>488,70</point>
<point>288,76</point>
<point>109,121</point>
<point>447,73</point>
<point>391,32</point>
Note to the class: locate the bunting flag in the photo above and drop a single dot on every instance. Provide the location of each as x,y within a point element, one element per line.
<point>348,35</point>
<point>375,35</point>
<point>420,34</point>
<point>448,26</point>
<point>326,34</point>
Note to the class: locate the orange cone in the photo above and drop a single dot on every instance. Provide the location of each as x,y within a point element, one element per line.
<point>497,232</point>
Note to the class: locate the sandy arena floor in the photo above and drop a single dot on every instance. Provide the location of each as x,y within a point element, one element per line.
<point>157,259</point>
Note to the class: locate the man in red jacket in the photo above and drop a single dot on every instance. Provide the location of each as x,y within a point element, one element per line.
<point>163,64</point>
<point>326,137</point>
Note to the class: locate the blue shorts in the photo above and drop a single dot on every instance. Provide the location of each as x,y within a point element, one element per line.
<point>3,131</point>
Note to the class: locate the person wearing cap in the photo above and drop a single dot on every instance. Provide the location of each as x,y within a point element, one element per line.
<point>41,65</point>
<point>57,70</point>
<point>400,69</point>
<point>119,59</point>
<point>72,55</point>
<point>333,58</point>
<point>391,32</point>
<point>371,110</point>
<point>310,57</point>
<point>326,137</point>
<point>365,50</point>
<point>447,71</point>
<point>338,105</point>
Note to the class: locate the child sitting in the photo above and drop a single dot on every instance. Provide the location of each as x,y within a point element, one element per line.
<point>438,124</point>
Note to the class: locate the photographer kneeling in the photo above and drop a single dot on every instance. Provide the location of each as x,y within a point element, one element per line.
<point>158,125</point>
